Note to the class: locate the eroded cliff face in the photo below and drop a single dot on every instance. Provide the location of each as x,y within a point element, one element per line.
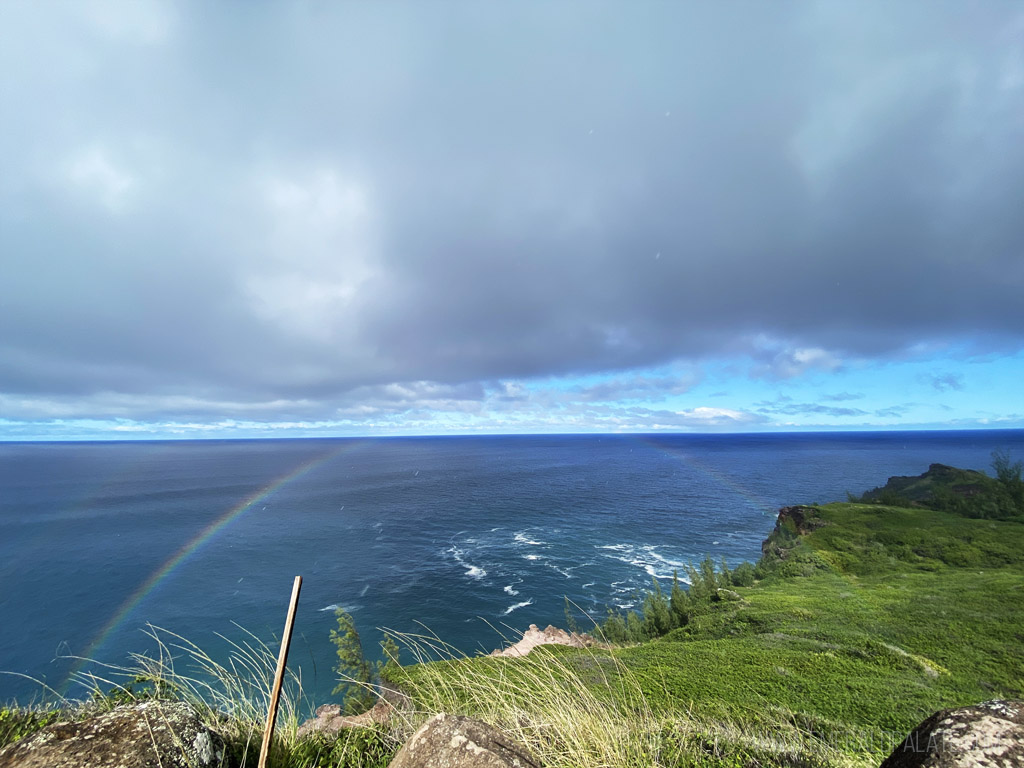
<point>791,524</point>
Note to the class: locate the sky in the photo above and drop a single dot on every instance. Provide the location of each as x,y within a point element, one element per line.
<point>258,219</point>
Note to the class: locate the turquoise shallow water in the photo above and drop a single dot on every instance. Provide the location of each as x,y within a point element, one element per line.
<point>468,535</point>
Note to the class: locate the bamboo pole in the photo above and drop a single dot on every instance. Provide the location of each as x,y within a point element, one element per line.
<point>282,659</point>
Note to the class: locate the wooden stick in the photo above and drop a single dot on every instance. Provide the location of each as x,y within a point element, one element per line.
<point>282,659</point>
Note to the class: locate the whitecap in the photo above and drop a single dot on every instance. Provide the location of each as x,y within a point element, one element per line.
<point>562,571</point>
<point>335,606</point>
<point>472,571</point>
<point>522,538</point>
<point>509,591</point>
<point>517,606</point>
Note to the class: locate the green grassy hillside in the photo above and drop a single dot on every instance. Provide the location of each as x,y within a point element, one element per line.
<point>866,618</point>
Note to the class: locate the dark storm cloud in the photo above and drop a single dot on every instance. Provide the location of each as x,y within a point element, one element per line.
<point>302,204</point>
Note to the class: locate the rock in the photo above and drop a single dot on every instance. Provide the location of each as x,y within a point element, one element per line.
<point>727,595</point>
<point>988,734</point>
<point>329,720</point>
<point>792,522</point>
<point>145,735</point>
<point>551,635</point>
<point>450,741</point>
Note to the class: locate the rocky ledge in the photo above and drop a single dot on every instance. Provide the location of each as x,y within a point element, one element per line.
<point>550,635</point>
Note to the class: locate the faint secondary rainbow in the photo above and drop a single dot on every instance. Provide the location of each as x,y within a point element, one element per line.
<point>193,545</point>
<point>721,478</point>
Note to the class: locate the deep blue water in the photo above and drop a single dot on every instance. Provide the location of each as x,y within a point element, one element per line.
<point>464,534</point>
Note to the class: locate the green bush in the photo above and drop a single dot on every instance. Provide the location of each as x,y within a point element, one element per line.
<point>17,723</point>
<point>743,575</point>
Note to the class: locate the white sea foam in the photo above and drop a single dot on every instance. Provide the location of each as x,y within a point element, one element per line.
<point>531,557</point>
<point>652,562</point>
<point>472,571</point>
<point>366,588</point>
<point>517,606</point>
<point>509,591</point>
<point>335,606</point>
<point>562,571</point>
<point>588,584</point>
<point>522,538</point>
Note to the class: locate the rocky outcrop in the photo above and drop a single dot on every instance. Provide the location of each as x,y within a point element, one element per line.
<point>146,735</point>
<point>989,735</point>
<point>791,523</point>
<point>329,720</point>
<point>550,635</point>
<point>450,741</point>
<point>920,490</point>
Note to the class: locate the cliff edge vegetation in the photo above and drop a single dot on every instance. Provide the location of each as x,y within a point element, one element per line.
<point>861,620</point>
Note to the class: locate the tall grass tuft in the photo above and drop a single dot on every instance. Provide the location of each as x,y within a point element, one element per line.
<point>571,708</point>
<point>582,708</point>
<point>232,698</point>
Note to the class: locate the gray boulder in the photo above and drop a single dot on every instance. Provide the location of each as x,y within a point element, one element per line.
<point>988,735</point>
<point>451,741</point>
<point>145,735</point>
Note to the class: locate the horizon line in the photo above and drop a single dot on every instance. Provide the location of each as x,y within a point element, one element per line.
<point>432,435</point>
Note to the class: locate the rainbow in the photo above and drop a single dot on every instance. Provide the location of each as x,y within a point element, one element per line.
<point>190,548</point>
<point>765,506</point>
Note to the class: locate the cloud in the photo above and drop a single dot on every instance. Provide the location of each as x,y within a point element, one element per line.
<point>894,411</point>
<point>792,363</point>
<point>943,382</point>
<point>303,206</point>
<point>704,417</point>
<point>840,397</point>
<point>99,177</point>
<point>788,408</point>
<point>639,387</point>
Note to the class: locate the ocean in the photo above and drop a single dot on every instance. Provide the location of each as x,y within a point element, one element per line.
<point>471,538</point>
